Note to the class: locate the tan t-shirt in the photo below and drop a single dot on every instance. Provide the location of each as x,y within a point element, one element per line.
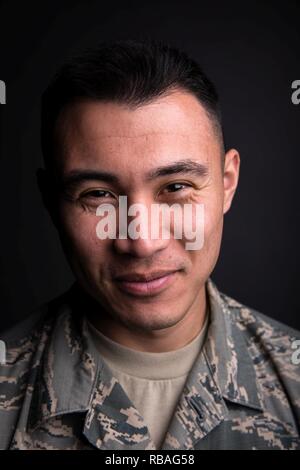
<point>152,381</point>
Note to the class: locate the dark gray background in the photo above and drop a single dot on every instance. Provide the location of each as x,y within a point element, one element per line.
<point>251,53</point>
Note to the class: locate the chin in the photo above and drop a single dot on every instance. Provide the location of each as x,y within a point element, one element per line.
<point>150,321</point>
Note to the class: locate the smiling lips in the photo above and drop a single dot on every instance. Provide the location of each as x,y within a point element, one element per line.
<point>145,284</point>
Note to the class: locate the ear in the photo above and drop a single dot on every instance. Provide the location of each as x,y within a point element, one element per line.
<point>49,193</point>
<point>230,177</point>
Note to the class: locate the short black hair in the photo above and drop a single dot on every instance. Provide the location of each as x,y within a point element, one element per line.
<point>127,71</point>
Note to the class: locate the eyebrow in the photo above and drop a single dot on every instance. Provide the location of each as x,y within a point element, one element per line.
<point>75,177</point>
<point>182,166</point>
<point>186,166</point>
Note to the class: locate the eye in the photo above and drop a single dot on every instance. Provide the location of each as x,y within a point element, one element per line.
<point>175,187</point>
<point>92,198</point>
<point>97,194</point>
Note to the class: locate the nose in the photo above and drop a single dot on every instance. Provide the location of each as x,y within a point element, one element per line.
<point>139,241</point>
<point>140,248</point>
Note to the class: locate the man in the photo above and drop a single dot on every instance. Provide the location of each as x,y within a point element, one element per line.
<point>143,352</point>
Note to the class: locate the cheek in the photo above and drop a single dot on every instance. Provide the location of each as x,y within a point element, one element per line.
<point>212,232</point>
<point>213,225</point>
<point>213,214</point>
<point>79,234</point>
<point>205,219</point>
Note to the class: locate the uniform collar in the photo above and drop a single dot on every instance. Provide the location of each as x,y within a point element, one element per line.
<point>82,383</point>
<point>227,354</point>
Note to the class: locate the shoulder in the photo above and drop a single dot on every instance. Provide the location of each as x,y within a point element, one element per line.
<point>22,348</point>
<point>24,342</point>
<point>260,332</point>
<point>37,321</point>
<point>258,325</point>
<point>274,349</point>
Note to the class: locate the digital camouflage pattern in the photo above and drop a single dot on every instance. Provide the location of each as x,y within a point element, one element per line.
<point>243,391</point>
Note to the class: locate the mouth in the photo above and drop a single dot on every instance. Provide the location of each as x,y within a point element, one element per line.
<point>141,284</point>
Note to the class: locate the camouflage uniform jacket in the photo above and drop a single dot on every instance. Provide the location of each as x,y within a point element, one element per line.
<point>243,391</point>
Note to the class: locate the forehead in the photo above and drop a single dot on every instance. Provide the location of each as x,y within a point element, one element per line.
<point>95,134</point>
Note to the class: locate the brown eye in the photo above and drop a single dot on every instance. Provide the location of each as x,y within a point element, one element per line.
<point>174,187</point>
<point>97,194</point>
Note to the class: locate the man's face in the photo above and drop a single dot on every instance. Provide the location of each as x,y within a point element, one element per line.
<point>107,150</point>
